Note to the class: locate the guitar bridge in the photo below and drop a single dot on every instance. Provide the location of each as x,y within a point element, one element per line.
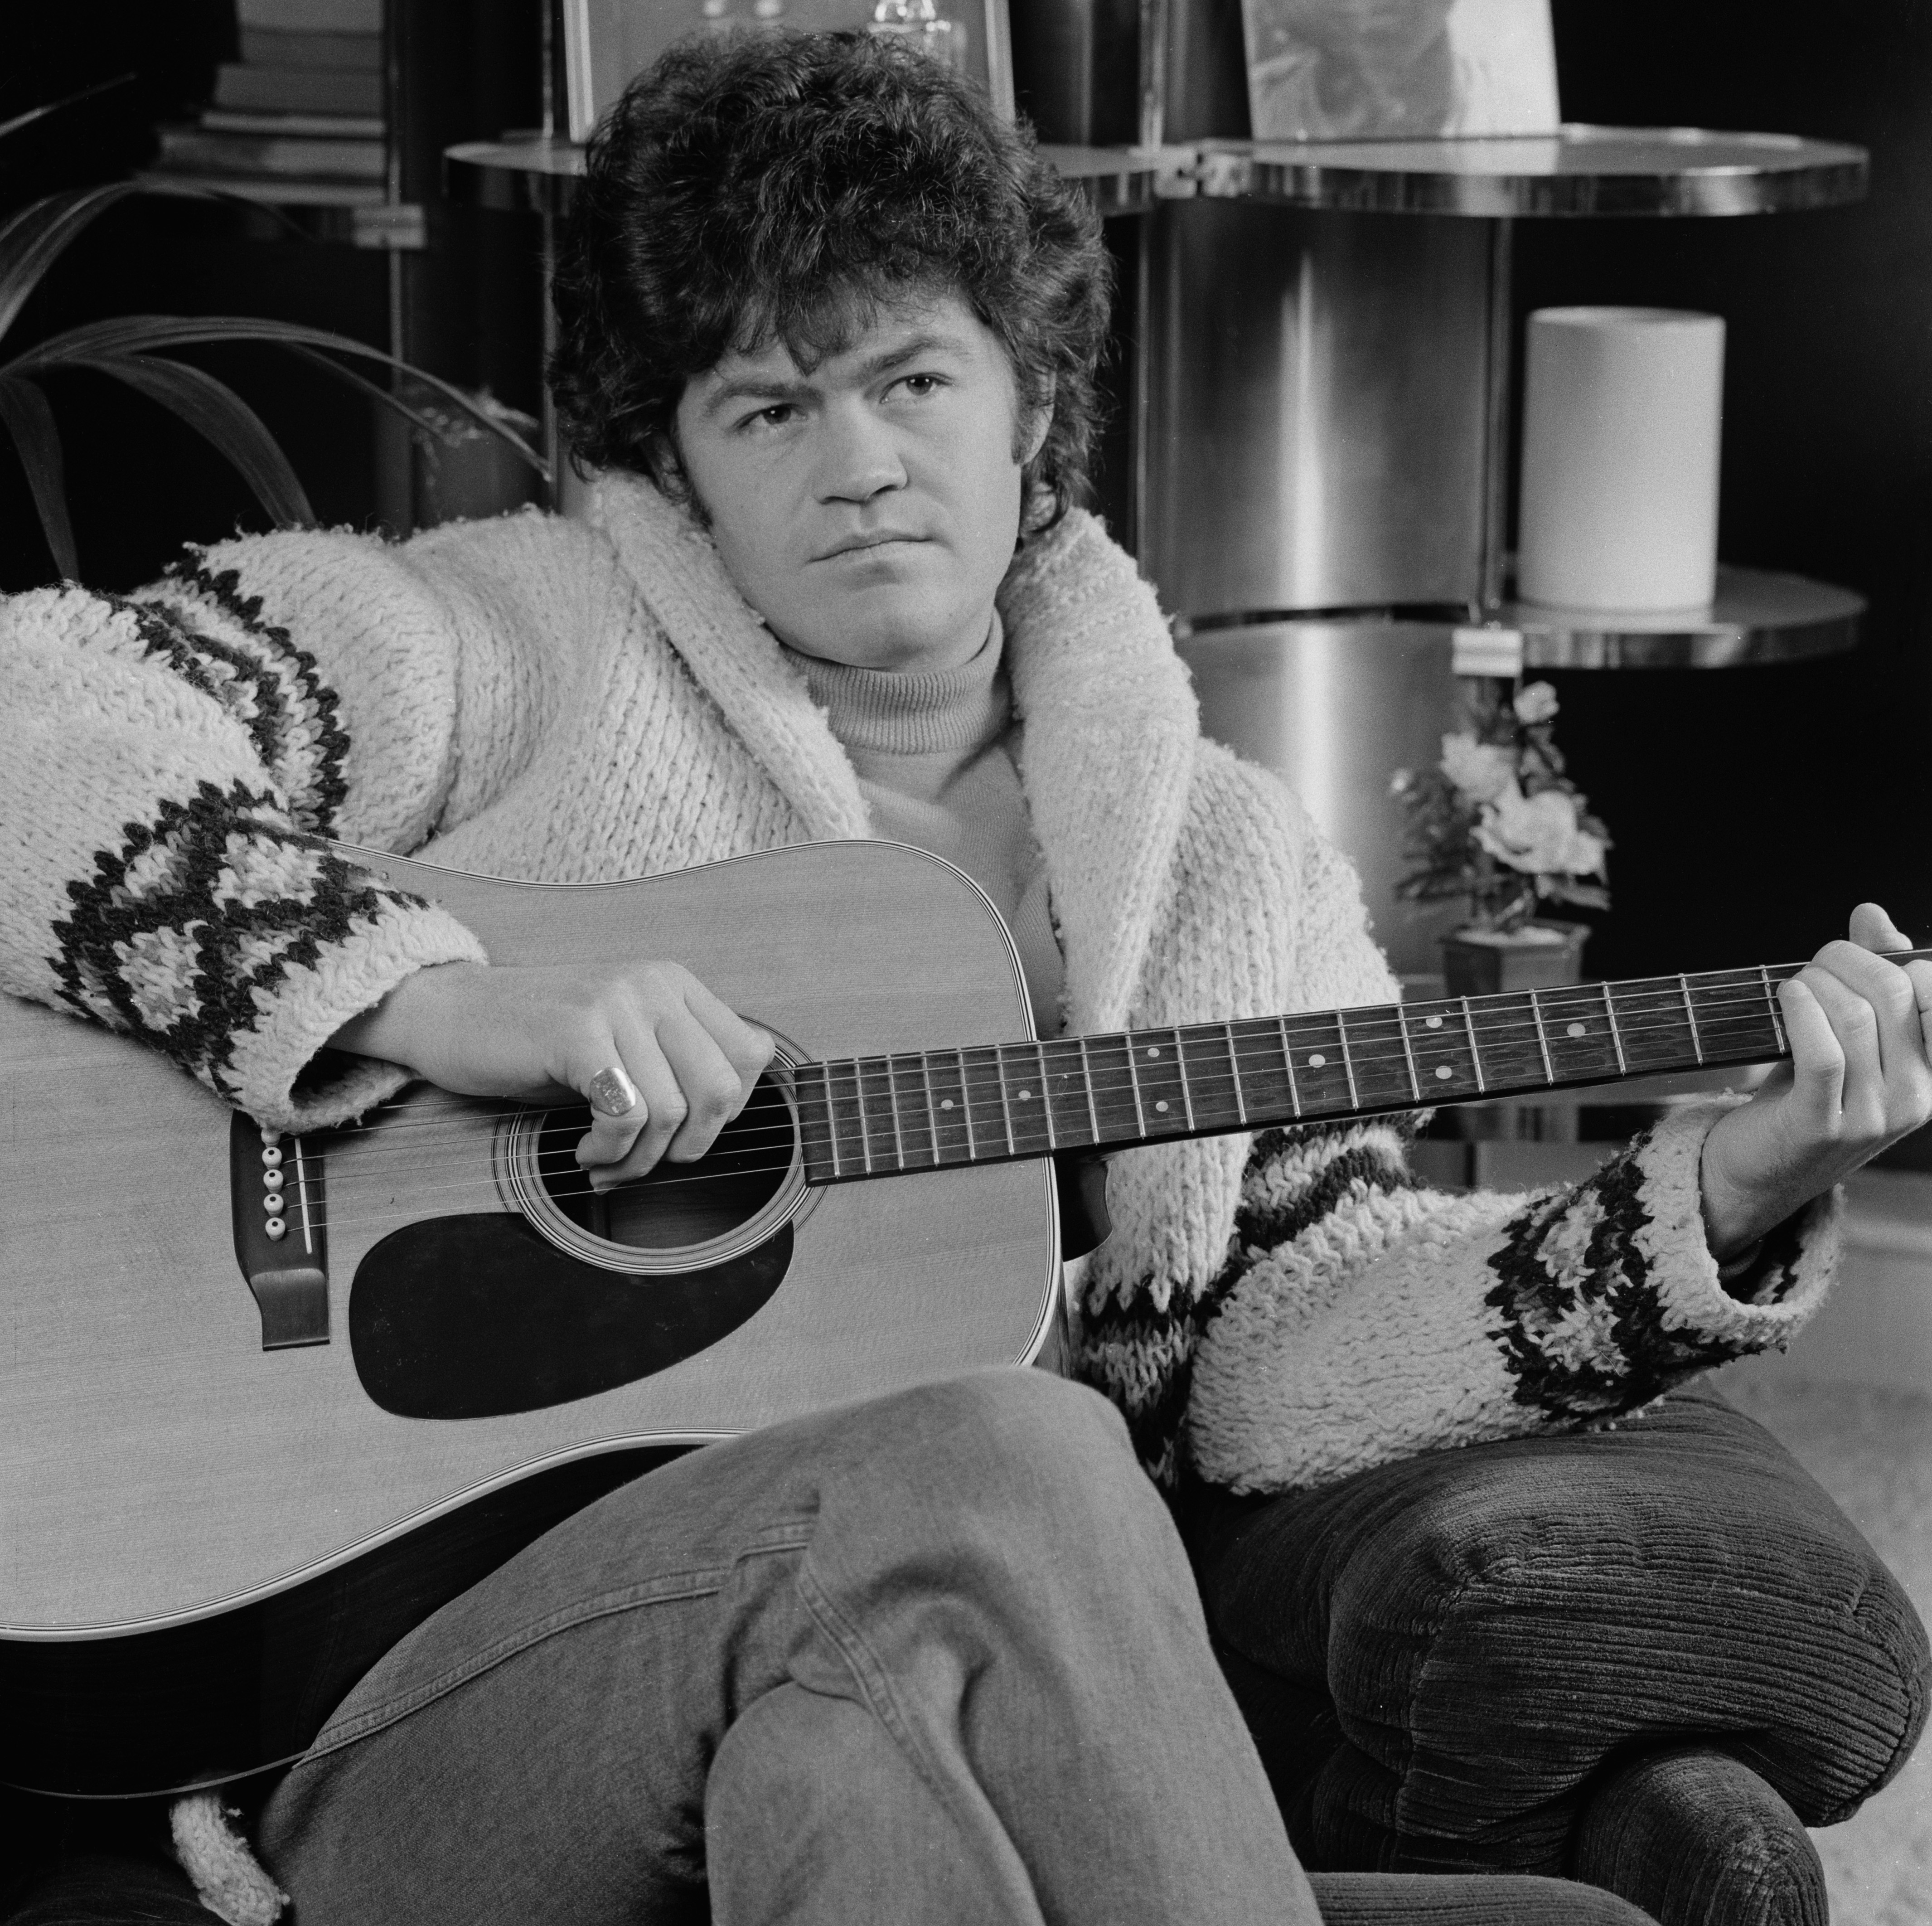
<point>275,1188</point>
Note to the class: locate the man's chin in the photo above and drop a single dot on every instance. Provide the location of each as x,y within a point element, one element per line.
<point>897,648</point>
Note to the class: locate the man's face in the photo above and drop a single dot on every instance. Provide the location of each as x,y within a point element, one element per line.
<point>868,509</point>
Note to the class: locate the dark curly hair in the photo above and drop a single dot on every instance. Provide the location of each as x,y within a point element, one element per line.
<point>762,187</point>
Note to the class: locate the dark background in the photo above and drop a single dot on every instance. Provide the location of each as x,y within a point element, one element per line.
<point>1750,807</point>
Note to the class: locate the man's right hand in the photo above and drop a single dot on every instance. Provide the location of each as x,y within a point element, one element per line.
<point>542,1033</point>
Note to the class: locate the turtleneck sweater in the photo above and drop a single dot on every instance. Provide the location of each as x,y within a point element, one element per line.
<point>935,752</point>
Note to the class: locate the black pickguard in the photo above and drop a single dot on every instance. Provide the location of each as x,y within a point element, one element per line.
<point>480,1317</point>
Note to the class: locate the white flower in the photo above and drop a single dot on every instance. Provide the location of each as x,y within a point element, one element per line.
<point>1539,834</point>
<point>1482,771</point>
<point>1535,703</point>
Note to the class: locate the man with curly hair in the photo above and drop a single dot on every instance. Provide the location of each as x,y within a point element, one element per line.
<point>829,336</point>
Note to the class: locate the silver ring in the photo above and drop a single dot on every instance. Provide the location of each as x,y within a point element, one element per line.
<point>612,1094</point>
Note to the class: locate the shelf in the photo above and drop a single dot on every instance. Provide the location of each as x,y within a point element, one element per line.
<point>1757,617</point>
<point>1581,171</point>
<point>540,173</point>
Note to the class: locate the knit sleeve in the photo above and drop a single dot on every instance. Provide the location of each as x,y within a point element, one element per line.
<point>1307,1308</point>
<point>1363,1317</point>
<point>176,759</point>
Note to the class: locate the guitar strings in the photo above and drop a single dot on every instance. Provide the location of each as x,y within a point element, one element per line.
<point>661,1183</point>
<point>1210,1081</point>
<point>1717,1013</point>
<point>1373,1031</point>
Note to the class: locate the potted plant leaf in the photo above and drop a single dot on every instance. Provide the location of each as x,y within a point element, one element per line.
<point>139,351</point>
<point>1498,824</point>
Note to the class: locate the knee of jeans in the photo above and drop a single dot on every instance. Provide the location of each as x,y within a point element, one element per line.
<point>1031,1419</point>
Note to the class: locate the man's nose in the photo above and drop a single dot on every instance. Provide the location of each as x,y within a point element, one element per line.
<point>860,456</point>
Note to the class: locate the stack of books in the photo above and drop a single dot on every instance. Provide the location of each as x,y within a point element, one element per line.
<point>299,117</point>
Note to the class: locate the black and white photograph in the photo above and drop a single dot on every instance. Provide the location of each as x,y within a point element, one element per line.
<point>965,962</point>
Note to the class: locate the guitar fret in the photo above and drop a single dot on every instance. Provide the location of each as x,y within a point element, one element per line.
<point>1069,1096</point>
<point>1776,1020</point>
<point>1616,1035</point>
<point>1475,1059</point>
<point>1045,1101</point>
<point>912,1078</point>
<point>932,1104</point>
<point>1691,1014</point>
<point>844,1110</point>
<point>1210,1062</point>
<point>966,1104</point>
<point>1134,1078</point>
<point>1348,1061</point>
<point>1087,1083</point>
<point>1161,1080</point>
<point>1235,1070</point>
<point>1542,1038</point>
<point>986,1104</point>
<point>1409,1053</point>
<point>872,1120</point>
<point>802,1076</point>
<point>1288,1060</point>
<point>899,1130</point>
<point>952,1115</point>
<point>1005,1099</point>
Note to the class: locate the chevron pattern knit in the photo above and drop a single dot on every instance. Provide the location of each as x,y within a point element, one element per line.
<point>572,701</point>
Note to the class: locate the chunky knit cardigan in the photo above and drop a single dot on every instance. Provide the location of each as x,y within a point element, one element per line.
<point>585,699</point>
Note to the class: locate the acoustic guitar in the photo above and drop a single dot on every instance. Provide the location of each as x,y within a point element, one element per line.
<point>249,1381</point>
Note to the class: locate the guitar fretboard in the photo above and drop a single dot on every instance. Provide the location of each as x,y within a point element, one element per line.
<point>865,1117</point>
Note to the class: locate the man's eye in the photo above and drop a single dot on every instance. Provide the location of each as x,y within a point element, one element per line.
<point>775,416</point>
<point>920,386</point>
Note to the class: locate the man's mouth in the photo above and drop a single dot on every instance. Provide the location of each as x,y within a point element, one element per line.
<point>877,538</point>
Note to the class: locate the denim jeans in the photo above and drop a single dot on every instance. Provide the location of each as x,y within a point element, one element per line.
<point>937,1657</point>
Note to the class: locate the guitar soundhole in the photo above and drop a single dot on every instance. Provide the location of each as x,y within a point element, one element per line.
<point>681,1216</point>
<point>677,1205</point>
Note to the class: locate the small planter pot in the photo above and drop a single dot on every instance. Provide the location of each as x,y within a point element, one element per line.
<point>1479,963</point>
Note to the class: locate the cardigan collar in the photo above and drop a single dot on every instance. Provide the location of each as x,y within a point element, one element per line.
<point>1110,721</point>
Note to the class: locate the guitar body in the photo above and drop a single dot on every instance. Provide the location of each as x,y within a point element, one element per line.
<point>159,1467</point>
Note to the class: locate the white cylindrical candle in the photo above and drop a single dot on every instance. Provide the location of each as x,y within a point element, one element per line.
<point>1621,411</point>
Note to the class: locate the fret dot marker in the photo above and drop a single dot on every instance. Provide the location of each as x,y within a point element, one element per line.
<point>1162,1105</point>
<point>1443,1071</point>
<point>1024,1094</point>
<point>946,1103</point>
<point>1433,1023</point>
<point>1154,1053</point>
<point>1574,1030</point>
<point>1316,1062</point>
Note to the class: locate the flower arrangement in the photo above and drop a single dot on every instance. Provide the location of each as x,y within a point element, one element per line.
<point>1498,821</point>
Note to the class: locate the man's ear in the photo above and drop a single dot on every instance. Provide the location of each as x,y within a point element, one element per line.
<point>1034,427</point>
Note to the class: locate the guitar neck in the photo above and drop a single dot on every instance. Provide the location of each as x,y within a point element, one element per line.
<point>865,1117</point>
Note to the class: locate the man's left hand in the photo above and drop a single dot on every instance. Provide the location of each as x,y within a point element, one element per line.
<point>1859,1079</point>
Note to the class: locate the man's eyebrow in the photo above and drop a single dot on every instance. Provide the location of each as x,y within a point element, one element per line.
<point>755,387</point>
<point>773,389</point>
<point>933,343</point>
